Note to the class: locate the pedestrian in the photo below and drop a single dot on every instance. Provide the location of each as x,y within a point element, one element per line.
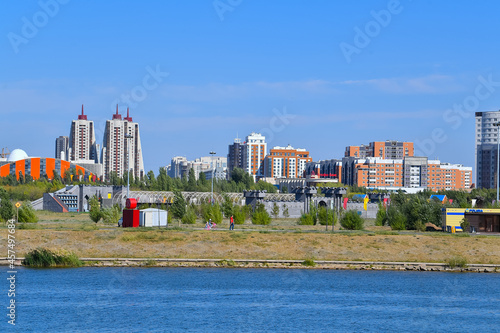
<point>231,223</point>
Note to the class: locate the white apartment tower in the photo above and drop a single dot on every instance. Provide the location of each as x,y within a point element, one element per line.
<point>82,145</point>
<point>254,152</point>
<point>121,147</point>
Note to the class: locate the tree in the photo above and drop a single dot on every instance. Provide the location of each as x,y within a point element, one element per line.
<point>111,215</point>
<point>276,210</point>
<point>95,213</point>
<point>227,206</point>
<point>260,215</point>
<point>325,216</point>
<point>190,216</point>
<point>27,214</point>
<point>191,181</point>
<point>6,207</point>
<point>238,215</point>
<point>285,211</point>
<point>178,208</point>
<point>352,221</point>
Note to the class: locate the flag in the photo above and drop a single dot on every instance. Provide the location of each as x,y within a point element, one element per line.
<point>345,203</point>
<point>385,203</point>
<point>366,203</point>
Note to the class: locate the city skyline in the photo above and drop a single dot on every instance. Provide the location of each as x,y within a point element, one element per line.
<point>317,75</point>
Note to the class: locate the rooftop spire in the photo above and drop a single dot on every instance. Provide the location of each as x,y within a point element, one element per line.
<point>128,118</point>
<point>82,116</point>
<point>116,115</point>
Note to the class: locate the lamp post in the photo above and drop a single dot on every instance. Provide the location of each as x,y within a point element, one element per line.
<point>128,136</point>
<point>498,156</point>
<point>212,153</point>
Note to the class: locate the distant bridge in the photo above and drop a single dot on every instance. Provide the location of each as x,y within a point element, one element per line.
<point>159,197</point>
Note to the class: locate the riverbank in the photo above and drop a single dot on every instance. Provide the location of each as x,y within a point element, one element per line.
<point>282,264</point>
<point>279,244</point>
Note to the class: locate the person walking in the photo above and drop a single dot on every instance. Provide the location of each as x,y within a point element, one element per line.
<point>231,223</point>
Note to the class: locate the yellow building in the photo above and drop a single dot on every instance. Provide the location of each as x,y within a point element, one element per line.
<point>480,219</point>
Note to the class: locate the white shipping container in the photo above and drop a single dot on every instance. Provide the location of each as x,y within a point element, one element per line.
<point>152,217</point>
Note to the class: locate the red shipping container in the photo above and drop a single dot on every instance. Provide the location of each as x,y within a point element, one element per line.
<point>130,218</point>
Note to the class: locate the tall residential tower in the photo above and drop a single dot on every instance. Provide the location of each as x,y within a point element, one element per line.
<point>82,145</point>
<point>121,147</point>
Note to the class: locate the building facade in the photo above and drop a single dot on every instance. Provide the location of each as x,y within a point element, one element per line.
<point>235,156</point>
<point>286,162</point>
<point>325,169</point>
<point>62,148</point>
<point>410,172</point>
<point>121,149</point>
<point>383,149</point>
<point>180,167</point>
<point>82,145</point>
<point>486,148</point>
<point>254,153</point>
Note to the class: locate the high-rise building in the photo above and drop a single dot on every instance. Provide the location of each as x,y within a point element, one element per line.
<point>286,162</point>
<point>62,148</point>
<point>383,149</point>
<point>82,145</point>
<point>486,139</point>
<point>254,152</point>
<point>235,156</point>
<point>121,147</point>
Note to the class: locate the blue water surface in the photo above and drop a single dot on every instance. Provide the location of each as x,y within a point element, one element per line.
<point>251,300</point>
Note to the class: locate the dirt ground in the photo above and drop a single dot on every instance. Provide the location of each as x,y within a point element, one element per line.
<point>280,240</point>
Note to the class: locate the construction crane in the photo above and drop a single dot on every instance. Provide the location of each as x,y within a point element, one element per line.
<point>5,152</point>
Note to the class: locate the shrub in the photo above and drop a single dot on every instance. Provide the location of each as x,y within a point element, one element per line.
<point>465,225</point>
<point>457,261</point>
<point>238,215</point>
<point>381,218</point>
<point>111,215</point>
<point>46,258</point>
<point>95,213</point>
<point>261,216</point>
<point>309,263</point>
<point>352,221</point>
<point>27,214</point>
<point>326,216</point>
<point>190,217</point>
<point>396,219</point>
<point>306,219</point>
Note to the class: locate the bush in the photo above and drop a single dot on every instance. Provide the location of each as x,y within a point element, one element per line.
<point>306,219</point>
<point>352,221</point>
<point>190,217</point>
<point>27,214</point>
<point>261,216</point>
<point>238,215</point>
<point>397,221</point>
<point>111,215</point>
<point>381,218</point>
<point>95,213</point>
<point>457,261</point>
<point>465,225</point>
<point>326,216</point>
<point>309,263</point>
<point>46,258</point>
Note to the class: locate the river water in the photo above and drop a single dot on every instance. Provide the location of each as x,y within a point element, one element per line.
<point>251,300</point>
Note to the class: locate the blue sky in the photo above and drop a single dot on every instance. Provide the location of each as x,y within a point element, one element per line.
<point>342,73</point>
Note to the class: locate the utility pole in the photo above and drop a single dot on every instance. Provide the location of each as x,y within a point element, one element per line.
<point>212,153</point>
<point>128,136</point>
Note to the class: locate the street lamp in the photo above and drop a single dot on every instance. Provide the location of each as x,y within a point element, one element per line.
<point>128,136</point>
<point>212,153</point>
<point>498,155</point>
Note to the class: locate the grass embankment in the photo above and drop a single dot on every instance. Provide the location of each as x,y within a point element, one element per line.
<point>75,234</point>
